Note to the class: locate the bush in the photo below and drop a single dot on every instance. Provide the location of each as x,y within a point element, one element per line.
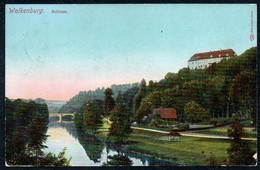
<point>220,121</point>
<point>183,126</point>
<point>248,123</point>
<point>155,123</point>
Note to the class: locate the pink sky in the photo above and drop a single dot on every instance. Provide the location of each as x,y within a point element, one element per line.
<point>49,89</point>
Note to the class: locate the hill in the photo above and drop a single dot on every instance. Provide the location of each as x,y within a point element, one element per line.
<point>82,97</point>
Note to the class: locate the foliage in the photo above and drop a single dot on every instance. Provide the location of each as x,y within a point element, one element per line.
<point>240,152</point>
<point>92,119</point>
<point>156,122</point>
<point>195,113</point>
<point>220,121</point>
<point>121,125</point>
<point>77,101</point>
<point>51,159</point>
<point>221,89</point>
<point>140,95</point>
<point>26,125</point>
<point>243,92</point>
<point>144,110</point>
<point>109,102</point>
<point>92,145</point>
<point>78,120</point>
<point>183,126</point>
<point>36,131</point>
<point>116,160</point>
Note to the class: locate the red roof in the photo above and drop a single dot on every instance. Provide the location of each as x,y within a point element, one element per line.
<point>213,54</point>
<point>167,113</point>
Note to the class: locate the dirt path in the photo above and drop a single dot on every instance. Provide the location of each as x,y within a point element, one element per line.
<point>189,134</point>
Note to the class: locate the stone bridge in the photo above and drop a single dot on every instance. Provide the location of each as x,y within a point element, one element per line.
<point>59,116</point>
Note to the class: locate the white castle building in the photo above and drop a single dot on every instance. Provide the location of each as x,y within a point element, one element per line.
<point>204,60</point>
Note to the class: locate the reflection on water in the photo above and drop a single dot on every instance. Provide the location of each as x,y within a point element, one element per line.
<point>88,150</point>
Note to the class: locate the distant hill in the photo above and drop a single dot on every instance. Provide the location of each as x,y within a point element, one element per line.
<point>53,105</point>
<point>83,96</point>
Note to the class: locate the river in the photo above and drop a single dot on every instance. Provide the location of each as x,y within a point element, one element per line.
<point>87,150</point>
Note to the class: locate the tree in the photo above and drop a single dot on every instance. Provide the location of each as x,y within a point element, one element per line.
<point>183,75</point>
<point>193,90</point>
<point>214,97</point>
<point>37,137</point>
<point>121,125</point>
<point>118,159</point>
<point>26,136</point>
<point>195,113</point>
<point>149,103</point>
<point>144,110</point>
<point>240,152</point>
<point>109,102</point>
<point>119,98</point>
<point>139,96</point>
<point>129,96</point>
<point>173,98</point>
<point>243,92</point>
<point>51,159</point>
<point>92,120</point>
<point>171,79</point>
<point>16,147</point>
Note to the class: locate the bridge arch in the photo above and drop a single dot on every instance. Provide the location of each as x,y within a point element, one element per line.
<point>61,116</point>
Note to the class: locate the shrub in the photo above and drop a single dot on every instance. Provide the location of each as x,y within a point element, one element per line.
<point>155,123</point>
<point>183,126</point>
<point>220,121</point>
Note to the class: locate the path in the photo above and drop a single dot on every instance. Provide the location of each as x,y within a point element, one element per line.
<point>188,134</point>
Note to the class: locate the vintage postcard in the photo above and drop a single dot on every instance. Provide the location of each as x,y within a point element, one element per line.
<point>131,85</point>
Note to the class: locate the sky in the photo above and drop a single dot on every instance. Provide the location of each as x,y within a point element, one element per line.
<point>56,55</point>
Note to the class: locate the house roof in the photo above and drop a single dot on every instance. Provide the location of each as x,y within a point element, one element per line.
<point>167,113</point>
<point>213,54</point>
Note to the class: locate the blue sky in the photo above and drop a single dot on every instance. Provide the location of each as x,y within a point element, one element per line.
<point>54,56</point>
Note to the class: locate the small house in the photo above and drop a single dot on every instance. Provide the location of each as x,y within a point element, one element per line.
<point>166,113</point>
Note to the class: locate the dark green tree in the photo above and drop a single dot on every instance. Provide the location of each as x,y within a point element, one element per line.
<point>109,102</point>
<point>139,96</point>
<point>128,97</point>
<point>243,92</point>
<point>92,120</point>
<point>52,160</point>
<point>195,113</point>
<point>149,103</point>
<point>117,160</point>
<point>38,138</point>
<point>121,126</point>
<point>240,152</point>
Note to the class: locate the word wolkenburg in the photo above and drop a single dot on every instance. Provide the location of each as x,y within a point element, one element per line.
<point>25,11</point>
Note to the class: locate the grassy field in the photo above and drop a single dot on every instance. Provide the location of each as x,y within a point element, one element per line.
<point>187,151</point>
<point>222,131</point>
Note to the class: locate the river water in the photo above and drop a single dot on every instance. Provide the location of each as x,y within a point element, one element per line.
<point>87,150</point>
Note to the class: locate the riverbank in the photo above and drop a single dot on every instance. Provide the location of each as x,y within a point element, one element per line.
<point>188,151</point>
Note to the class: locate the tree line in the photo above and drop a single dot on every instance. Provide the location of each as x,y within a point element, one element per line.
<point>90,116</point>
<point>26,127</point>
<point>221,90</point>
<point>75,103</point>
<point>218,91</point>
